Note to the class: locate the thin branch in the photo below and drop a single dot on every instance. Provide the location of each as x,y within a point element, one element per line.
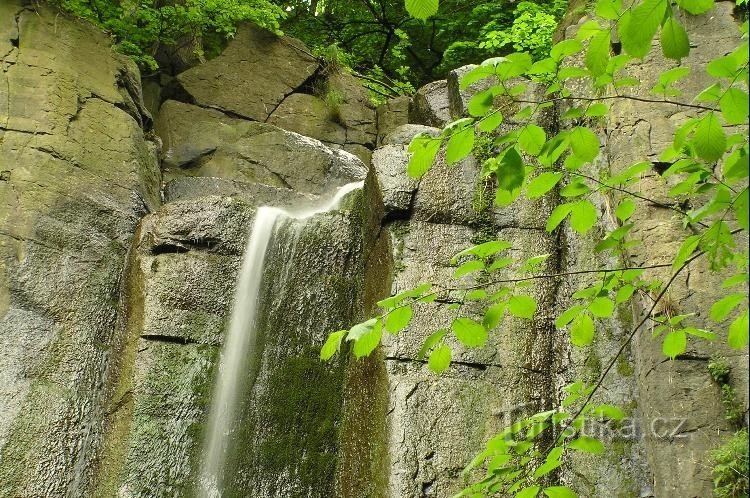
<point>626,97</point>
<point>556,275</point>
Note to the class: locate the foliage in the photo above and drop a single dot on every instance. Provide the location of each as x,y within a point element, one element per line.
<point>719,371</point>
<point>531,31</point>
<point>730,467</point>
<point>706,178</point>
<point>388,44</point>
<point>142,28</point>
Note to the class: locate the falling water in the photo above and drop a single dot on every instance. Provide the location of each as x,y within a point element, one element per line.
<point>238,352</point>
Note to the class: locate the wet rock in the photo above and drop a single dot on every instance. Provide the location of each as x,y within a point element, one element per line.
<point>78,175</point>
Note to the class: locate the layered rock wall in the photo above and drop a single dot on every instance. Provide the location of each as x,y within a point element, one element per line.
<point>120,245</point>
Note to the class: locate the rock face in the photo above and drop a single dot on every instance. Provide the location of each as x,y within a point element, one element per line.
<point>255,73</point>
<point>671,426</point>
<point>77,175</point>
<point>430,106</point>
<point>120,246</point>
<point>117,276</point>
<point>263,77</point>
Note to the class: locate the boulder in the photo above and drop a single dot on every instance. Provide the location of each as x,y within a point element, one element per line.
<point>206,143</point>
<point>310,116</point>
<point>429,105</point>
<point>252,76</point>
<point>392,114</point>
<point>458,99</point>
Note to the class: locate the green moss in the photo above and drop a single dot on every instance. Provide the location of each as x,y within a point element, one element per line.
<point>719,371</point>
<point>624,367</point>
<point>592,367</point>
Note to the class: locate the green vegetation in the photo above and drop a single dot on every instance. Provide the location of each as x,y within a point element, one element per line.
<point>730,467</point>
<point>388,45</point>
<point>719,371</point>
<point>706,179</point>
<point>153,31</point>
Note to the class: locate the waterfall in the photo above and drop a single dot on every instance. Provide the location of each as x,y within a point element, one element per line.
<point>238,353</point>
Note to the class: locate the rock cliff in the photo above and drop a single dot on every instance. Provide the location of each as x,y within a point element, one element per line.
<point>121,237</point>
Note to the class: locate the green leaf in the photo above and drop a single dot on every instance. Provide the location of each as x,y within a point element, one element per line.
<point>368,341</point>
<point>531,138</point>
<point>582,330</point>
<point>738,332</point>
<point>609,9</point>
<point>738,279</point>
<point>469,332</point>
<point>542,184</point>
<point>481,102</point>
<point>398,319</point>
<point>491,121</point>
<point>625,209</point>
<point>675,343</point>
<point>332,344</point>
<point>583,216</point>
<point>710,94</point>
<point>459,145</point>
<point>515,64</point>
<point>485,249</point>
<point>567,316</point>
<point>431,342</point>
<point>476,295</point>
<point>686,250</point>
<point>587,444</point>
<point>423,150</point>
<point>638,28</point>
<point>440,358</point>
<point>608,411</point>
<point>529,492</point>
<point>564,49</point>
<point>500,263</point>
<point>510,171</point>
<point>602,307</point>
<point>522,306</point>
<point>585,143</point>
<point>575,189</point>
<point>674,40</point>
<point>723,307</point>
<point>558,215</point>
<point>735,166</point>
<point>596,110</point>
<point>673,75</point>
<point>554,148</point>
<point>544,66</point>
<point>734,106</point>
<point>547,467</point>
<point>361,329</point>
<point>723,67</point>
<point>709,139</point>
<point>493,315</point>
<point>559,492</point>
<point>624,293</point>
<point>477,74</point>
<point>421,9</point>
<point>468,267</point>
<point>696,7</point>
<point>597,55</point>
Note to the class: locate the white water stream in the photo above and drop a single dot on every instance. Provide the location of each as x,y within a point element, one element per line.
<point>238,353</point>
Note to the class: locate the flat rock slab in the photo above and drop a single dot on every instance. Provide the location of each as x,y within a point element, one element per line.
<point>252,76</point>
